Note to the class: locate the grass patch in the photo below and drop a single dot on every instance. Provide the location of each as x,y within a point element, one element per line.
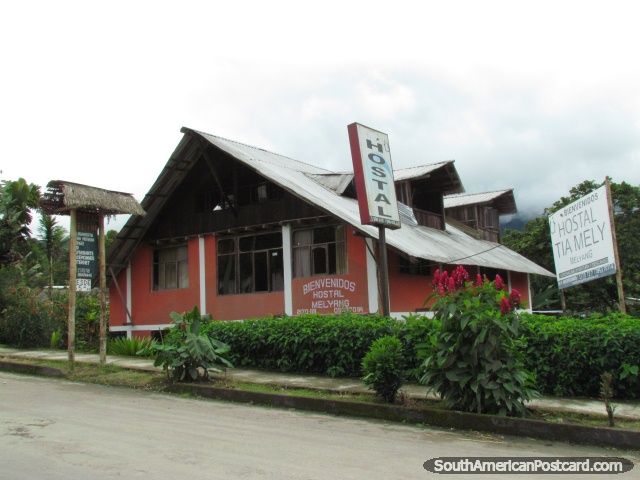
<point>299,392</point>
<point>118,377</point>
<point>587,419</point>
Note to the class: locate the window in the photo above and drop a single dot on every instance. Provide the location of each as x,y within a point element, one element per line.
<point>491,218</point>
<point>492,272</point>
<point>421,267</point>
<point>319,251</point>
<point>259,193</point>
<point>171,268</point>
<point>251,263</point>
<point>403,193</point>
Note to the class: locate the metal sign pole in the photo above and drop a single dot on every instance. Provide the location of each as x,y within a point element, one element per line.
<point>384,273</point>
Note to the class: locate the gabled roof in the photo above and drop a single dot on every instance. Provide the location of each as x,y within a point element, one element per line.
<point>449,179</point>
<point>322,189</point>
<point>503,200</point>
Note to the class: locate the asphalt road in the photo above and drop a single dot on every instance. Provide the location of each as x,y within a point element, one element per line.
<point>55,429</point>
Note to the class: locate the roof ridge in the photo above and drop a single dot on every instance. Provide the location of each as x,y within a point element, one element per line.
<point>261,149</point>
<point>456,195</point>
<point>424,165</point>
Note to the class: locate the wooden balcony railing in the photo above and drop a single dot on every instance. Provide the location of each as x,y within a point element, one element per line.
<point>428,219</point>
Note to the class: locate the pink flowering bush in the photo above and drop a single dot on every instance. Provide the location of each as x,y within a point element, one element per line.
<point>477,364</point>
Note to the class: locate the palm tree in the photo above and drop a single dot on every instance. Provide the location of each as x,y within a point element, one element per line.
<point>17,200</point>
<point>54,240</point>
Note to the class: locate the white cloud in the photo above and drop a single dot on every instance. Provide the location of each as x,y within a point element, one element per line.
<point>535,96</point>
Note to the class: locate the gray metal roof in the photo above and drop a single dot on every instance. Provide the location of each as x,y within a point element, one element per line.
<point>322,188</point>
<point>338,182</point>
<point>503,200</point>
<point>258,157</point>
<point>451,246</point>
<point>420,171</point>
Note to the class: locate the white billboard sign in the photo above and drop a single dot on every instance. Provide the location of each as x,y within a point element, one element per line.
<point>373,174</point>
<point>582,241</point>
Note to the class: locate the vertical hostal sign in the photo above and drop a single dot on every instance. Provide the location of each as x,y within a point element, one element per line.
<point>87,250</point>
<point>373,173</point>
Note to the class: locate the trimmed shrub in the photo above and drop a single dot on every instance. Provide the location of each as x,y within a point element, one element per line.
<point>568,355</point>
<point>332,344</point>
<point>382,367</point>
<point>415,332</point>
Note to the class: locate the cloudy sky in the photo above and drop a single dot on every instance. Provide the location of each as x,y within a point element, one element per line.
<point>535,96</point>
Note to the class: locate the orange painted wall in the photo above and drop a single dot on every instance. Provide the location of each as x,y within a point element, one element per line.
<point>333,293</point>
<point>323,295</point>
<point>117,315</point>
<point>407,292</point>
<point>149,307</point>
<point>519,282</point>
<point>235,307</point>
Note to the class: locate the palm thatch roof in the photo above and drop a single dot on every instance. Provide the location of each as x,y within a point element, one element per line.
<point>61,197</point>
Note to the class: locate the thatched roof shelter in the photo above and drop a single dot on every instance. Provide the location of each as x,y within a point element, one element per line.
<point>61,197</point>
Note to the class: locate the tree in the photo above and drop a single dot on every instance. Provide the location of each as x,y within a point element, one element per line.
<point>109,237</point>
<point>54,243</point>
<point>601,295</point>
<point>17,200</point>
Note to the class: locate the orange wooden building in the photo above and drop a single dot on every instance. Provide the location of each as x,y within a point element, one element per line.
<point>241,233</point>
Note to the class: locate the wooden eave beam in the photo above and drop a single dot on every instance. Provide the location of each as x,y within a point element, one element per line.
<point>214,172</point>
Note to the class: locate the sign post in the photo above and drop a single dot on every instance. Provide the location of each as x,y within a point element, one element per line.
<point>621,302</point>
<point>376,190</point>
<point>71,334</point>
<point>86,255</point>
<point>87,207</point>
<point>82,269</point>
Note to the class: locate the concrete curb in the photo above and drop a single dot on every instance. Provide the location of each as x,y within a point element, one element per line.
<point>579,434</point>
<point>31,369</point>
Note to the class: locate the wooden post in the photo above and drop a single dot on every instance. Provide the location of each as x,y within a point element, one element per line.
<point>564,303</point>
<point>621,302</point>
<point>384,272</point>
<point>73,247</point>
<point>103,290</point>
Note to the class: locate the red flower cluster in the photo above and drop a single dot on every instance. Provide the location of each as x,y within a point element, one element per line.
<point>504,305</point>
<point>445,283</point>
<point>511,303</point>
<point>514,299</point>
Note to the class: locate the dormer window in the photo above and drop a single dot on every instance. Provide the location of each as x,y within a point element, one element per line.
<point>491,218</point>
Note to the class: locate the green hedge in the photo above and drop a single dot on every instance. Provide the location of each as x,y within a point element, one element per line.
<point>568,355</point>
<point>332,344</point>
